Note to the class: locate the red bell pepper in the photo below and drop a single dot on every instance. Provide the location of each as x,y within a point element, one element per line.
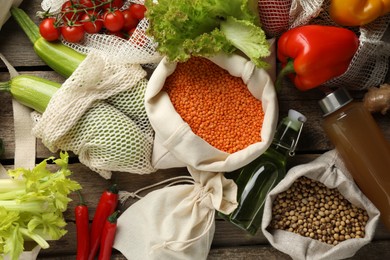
<point>314,54</point>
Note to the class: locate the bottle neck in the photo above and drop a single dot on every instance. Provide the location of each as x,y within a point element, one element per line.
<point>286,136</point>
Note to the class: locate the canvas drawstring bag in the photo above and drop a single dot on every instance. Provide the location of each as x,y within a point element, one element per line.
<point>25,149</point>
<point>175,143</point>
<point>176,221</point>
<point>330,171</point>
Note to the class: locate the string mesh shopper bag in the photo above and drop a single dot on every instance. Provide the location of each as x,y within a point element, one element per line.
<point>370,63</point>
<point>176,221</point>
<point>274,16</point>
<point>329,170</point>
<point>99,111</point>
<point>98,114</point>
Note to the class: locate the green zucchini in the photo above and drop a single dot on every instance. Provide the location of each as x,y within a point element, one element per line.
<point>31,91</point>
<point>61,58</point>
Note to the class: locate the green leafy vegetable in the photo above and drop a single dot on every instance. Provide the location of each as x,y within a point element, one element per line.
<point>32,203</point>
<point>203,28</point>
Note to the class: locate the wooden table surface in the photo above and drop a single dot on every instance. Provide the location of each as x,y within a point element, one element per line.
<point>229,242</point>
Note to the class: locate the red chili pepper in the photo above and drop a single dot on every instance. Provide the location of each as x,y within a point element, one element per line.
<point>106,206</point>
<point>82,229</point>
<point>314,54</point>
<point>108,236</point>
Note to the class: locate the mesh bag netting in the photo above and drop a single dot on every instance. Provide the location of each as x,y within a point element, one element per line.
<point>274,16</point>
<point>99,114</point>
<point>99,111</point>
<point>370,63</point>
<point>138,49</point>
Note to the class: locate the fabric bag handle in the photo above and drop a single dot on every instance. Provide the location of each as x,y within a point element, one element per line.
<point>25,142</point>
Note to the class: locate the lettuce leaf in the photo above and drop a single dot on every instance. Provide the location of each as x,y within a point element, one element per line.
<point>183,28</point>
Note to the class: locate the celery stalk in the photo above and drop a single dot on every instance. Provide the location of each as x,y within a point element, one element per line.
<point>32,203</point>
<point>26,206</point>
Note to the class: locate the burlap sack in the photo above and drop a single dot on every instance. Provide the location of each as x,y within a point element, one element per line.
<point>329,170</point>
<point>176,222</point>
<point>175,144</point>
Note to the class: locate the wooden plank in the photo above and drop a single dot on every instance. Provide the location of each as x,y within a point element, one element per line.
<point>226,234</point>
<point>229,242</point>
<point>377,250</point>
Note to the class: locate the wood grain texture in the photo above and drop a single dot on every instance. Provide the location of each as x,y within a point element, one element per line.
<point>229,242</point>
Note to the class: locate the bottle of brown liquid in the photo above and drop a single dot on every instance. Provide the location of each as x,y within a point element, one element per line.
<point>362,146</point>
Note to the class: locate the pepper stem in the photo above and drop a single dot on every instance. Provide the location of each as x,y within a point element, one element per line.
<point>81,199</point>
<point>288,69</point>
<point>25,22</point>
<point>113,189</point>
<point>113,217</point>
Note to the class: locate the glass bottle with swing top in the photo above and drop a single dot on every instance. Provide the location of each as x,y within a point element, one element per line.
<point>256,179</point>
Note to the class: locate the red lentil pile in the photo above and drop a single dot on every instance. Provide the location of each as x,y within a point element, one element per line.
<point>216,105</point>
<point>311,209</point>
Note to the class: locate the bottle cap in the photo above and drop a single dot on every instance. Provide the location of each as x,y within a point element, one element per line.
<point>296,116</point>
<point>334,101</point>
<point>296,123</point>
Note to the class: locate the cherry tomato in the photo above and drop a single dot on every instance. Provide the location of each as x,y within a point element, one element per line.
<point>91,22</point>
<point>48,30</point>
<point>130,20</point>
<point>113,20</point>
<point>138,11</point>
<point>114,4</point>
<point>86,3</point>
<point>69,11</point>
<point>73,33</point>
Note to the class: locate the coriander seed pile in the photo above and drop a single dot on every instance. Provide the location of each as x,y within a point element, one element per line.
<point>311,209</point>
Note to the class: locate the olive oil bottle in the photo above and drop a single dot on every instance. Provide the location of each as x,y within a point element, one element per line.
<point>256,179</point>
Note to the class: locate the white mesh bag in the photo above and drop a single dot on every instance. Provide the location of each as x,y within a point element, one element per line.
<point>274,16</point>
<point>369,66</point>
<point>138,49</point>
<point>98,114</point>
